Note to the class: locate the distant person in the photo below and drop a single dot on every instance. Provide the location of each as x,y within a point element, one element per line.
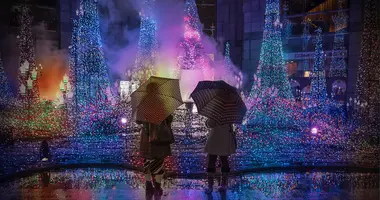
<point>298,93</point>
<point>44,151</point>
<point>45,179</point>
<point>221,143</point>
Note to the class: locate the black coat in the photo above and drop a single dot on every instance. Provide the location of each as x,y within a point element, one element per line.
<point>153,151</point>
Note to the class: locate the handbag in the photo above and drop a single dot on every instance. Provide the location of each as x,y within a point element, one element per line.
<point>160,134</point>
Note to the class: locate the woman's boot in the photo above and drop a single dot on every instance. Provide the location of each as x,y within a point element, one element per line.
<point>223,186</point>
<point>210,180</point>
<point>210,183</point>
<point>149,189</point>
<point>158,191</point>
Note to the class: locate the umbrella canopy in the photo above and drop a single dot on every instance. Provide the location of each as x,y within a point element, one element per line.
<point>219,101</point>
<point>156,99</point>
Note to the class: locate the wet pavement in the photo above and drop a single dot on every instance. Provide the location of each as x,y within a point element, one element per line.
<point>94,183</point>
<point>254,151</point>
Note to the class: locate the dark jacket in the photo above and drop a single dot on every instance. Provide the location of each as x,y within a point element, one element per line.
<point>153,151</point>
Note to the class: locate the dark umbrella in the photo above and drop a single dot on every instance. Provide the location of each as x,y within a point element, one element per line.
<point>156,99</point>
<point>219,101</point>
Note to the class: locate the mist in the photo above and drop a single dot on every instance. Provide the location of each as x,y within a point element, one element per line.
<point>120,33</point>
<point>54,63</point>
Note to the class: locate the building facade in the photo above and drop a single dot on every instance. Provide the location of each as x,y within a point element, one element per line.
<point>207,16</point>
<point>341,41</point>
<point>230,26</point>
<point>51,29</point>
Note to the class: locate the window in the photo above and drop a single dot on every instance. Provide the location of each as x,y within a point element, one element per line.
<point>313,21</point>
<point>294,7</point>
<point>306,74</point>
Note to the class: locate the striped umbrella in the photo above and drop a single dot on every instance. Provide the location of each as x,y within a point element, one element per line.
<point>219,101</point>
<point>156,99</point>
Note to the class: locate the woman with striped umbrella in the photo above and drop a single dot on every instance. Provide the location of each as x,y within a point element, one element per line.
<point>223,106</point>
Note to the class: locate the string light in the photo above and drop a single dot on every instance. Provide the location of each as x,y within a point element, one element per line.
<point>338,63</point>
<point>288,25</point>
<point>231,76</point>
<point>192,56</point>
<point>27,54</point>
<point>93,101</point>
<point>368,83</point>
<point>318,80</point>
<point>271,102</point>
<point>147,46</point>
<point>5,89</point>
<point>271,67</point>
<point>6,98</point>
<point>305,42</point>
<point>270,82</point>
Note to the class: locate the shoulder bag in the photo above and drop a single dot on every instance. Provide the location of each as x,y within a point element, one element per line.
<point>160,134</point>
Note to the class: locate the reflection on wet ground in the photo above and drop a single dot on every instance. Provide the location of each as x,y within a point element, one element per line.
<point>254,151</point>
<point>92,183</point>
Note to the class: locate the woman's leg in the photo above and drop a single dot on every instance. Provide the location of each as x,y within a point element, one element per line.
<point>211,169</point>
<point>225,172</point>
<point>225,164</point>
<point>149,190</point>
<point>157,169</point>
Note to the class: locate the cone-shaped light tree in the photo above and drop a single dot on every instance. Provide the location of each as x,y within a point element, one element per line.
<point>72,106</point>
<point>305,41</point>
<point>231,75</point>
<point>192,56</point>
<point>5,90</point>
<point>271,94</point>
<point>271,69</point>
<point>338,64</point>
<point>318,81</point>
<point>92,84</point>
<point>144,66</point>
<point>368,77</point>
<point>28,84</point>
<point>227,58</point>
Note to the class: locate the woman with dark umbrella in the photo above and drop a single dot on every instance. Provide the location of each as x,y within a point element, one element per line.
<point>220,143</point>
<point>221,103</point>
<point>153,154</point>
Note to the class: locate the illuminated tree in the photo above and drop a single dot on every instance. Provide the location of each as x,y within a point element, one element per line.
<point>368,77</point>
<point>271,69</point>
<point>6,98</point>
<point>28,76</point>
<point>46,121</point>
<point>231,75</point>
<point>192,56</point>
<point>72,107</point>
<point>147,45</point>
<point>338,64</point>
<point>318,81</point>
<point>227,57</point>
<point>92,86</point>
<point>271,98</point>
<point>287,24</point>
<point>306,37</point>
<point>5,90</point>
